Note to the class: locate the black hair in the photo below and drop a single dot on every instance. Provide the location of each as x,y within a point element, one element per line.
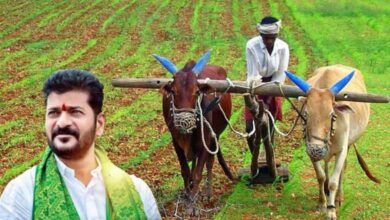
<point>63,81</point>
<point>268,20</point>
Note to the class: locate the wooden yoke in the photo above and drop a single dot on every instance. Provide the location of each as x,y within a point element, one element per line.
<point>269,89</point>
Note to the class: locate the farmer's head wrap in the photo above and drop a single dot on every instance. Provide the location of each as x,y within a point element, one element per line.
<point>269,25</point>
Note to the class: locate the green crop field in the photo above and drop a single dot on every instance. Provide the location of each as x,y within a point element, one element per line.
<point>117,39</point>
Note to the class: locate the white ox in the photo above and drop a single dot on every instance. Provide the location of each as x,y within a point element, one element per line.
<point>331,127</point>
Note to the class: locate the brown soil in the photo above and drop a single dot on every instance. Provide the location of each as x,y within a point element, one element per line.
<point>131,146</point>
<point>24,112</point>
<point>17,68</point>
<point>72,31</point>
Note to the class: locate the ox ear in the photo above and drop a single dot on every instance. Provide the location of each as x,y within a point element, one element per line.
<point>167,88</point>
<point>167,64</point>
<point>302,84</point>
<point>201,63</point>
<point>337,87</point>
<point>343,108</point>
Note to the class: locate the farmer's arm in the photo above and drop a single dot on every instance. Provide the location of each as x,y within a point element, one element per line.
<point>251,68</point>
<point>279,76</point>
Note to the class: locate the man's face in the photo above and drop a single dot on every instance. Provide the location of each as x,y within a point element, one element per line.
<point>269,40</point>
<point>71,125</point>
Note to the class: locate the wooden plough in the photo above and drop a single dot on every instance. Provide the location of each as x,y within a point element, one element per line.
<point>269,168</point>
<point>269,89</point>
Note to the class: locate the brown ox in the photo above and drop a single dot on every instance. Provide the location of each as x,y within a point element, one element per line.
<point>183,104</point>
<point>331,127</point>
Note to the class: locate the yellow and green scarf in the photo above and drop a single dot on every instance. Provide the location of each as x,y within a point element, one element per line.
<point>52,200</point>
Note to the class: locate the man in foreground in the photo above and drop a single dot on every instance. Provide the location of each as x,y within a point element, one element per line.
<point>76,179</point>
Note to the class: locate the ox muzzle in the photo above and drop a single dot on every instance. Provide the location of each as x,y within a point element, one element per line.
<point>317,152</point>
<point>184,119</point>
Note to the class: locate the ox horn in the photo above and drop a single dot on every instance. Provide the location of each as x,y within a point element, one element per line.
<point>167,64</point>
<point>201,63</point>
<point>302,84</point>
<point>337,87</point>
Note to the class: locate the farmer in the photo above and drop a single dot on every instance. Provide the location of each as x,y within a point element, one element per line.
<point>75,179</point>
<point>267,58</point>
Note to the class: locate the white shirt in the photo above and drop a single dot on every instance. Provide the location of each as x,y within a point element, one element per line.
<point>16,201</point>
<point>260,64</point>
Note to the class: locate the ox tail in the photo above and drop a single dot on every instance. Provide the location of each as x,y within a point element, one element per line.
<point>224,166</point>
<point>365,167</point>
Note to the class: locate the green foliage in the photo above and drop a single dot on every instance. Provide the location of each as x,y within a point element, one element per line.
<point>10,58</point>
<point>146,36</point>
<point>49,6</point>
<point>38,45</point>
<point>45,21</point>
<point>114,16</point>
<point>169,190</point>
<point>356,42</point>
<point>147,100</point>
<point>7,43</point>
<point>50,17</point>
<point>17,139</point>
<point>17,169</point>
<point>68,20</point>
<point>110,51</point>
<point>29,81</point>
<point>164,140</point>
<point>195,16</point>
<point>8,126</point>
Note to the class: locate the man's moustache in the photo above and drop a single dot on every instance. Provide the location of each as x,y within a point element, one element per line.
<point>67,131</point>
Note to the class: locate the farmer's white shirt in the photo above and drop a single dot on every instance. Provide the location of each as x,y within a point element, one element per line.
<point>260,64</point>
<point>16,201</point>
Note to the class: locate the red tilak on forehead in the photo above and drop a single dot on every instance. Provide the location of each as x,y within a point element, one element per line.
<point>64,108</point>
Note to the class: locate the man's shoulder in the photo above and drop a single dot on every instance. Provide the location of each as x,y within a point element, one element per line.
<point>252,42</point>
<point>148,200</point>
<point>142,188</point>
<point>139,183</point>
<point>16,201</point>
<point>24,180</point>
<point>281,44</point>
